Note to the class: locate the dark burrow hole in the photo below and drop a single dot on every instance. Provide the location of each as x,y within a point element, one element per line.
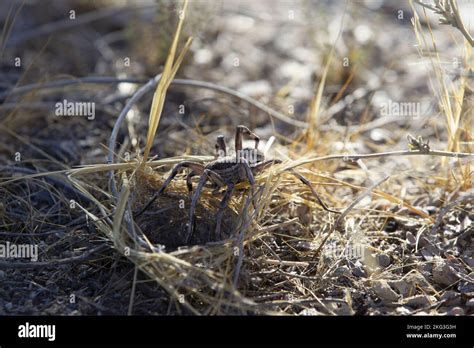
<point>166,222</point>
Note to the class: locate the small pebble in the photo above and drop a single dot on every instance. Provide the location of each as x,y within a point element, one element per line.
<point>404,287</point>
<point>469,261</point>
<point>451,298</point>
<point>470,303</point>
<point>425,268</point>
<point>411,240</point>
<point>443,274</point>
<point>342,270</point>
<point>383,260</point>
<point>465,286</point>
<point>427,254</point>
<point>380,135</point>
<point>417,301</point>
<point>309,311</point>
<point>403,310</point>
<point>2,275</point>
<point>359,271</point>
<point>456,311</point>
<point>385,292</point>
<point>423,242</point>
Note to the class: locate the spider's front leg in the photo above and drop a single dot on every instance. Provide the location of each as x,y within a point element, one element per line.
<point>221,148</point>
<point>262,166</point>
<point>189,181</point>
<point>224,202</point>
<point>195,167</point>
<point>239,134</point>
<point>207,174</point>
<point>247,173</point>
<point>313,191</point>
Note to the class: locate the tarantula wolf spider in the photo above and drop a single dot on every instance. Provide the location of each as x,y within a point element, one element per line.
<point>227,170</point>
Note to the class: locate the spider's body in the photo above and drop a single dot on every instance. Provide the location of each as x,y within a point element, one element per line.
<point>231,168</point>
<point>226,171</point>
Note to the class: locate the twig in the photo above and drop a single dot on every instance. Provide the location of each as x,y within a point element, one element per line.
<point>241,96</point>
<point>299,276</point>
<point>207,85</point>
<point>460,24</point>
<point>69,82</point>
<point>155,80</point>
<point>356,157</point>
<point>57,26</point>
<point>286,263</point>
<point>449,14</point>
<point>132,292</point>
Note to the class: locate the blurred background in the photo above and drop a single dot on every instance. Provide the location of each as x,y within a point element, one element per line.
<point>274,51</point>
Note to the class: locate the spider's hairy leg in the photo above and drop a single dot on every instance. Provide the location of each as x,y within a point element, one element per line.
<point>305,181</point>
<point>224,202</point>
<point>206,175</point>
<point>195,167</point>
<point>239,133</point>
<point>189,180</point>
<point>221,148</point>
<point>262,166</point>
<point>250,177</point>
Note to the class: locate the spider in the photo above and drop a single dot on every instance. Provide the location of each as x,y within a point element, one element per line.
<point>227,170</point>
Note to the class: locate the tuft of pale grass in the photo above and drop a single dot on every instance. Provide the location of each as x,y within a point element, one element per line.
<point>169,72</point>
<point>452,103</point>
<point>315,108</point>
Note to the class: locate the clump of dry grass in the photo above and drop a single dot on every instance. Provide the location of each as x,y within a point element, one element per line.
<point>453,103</point>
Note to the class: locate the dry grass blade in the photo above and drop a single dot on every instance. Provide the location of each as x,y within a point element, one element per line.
<point>451,95</point>
<point>315,103</point>
<point>8,26</point>
<point>169,71</point>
